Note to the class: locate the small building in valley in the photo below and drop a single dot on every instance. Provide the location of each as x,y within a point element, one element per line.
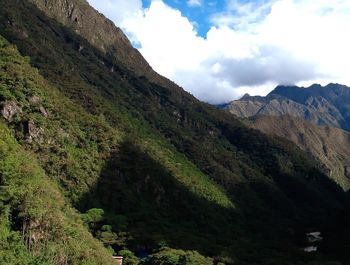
<point>118,259</point>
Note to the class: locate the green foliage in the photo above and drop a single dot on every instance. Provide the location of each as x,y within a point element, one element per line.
<point>12,248</point>
<point>146,163</point>
<point>107,236</point>
<point>32,204</point>
<point>129,257</point>
<point>93,216</point>
<point>168,256</point>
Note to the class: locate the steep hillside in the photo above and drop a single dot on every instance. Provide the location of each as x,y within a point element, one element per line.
<point>327,105</point>
<point>149,167</point>
<point>36,224</point>
<point>72,147</point>
<point>331,146</point>
<point>100,33</point>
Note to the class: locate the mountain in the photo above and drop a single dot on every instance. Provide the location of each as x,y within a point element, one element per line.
<point>329,145</point>
<point>100,155</point>
<point>329,105</point>
<point>101,33</point>
<point>281,113</point>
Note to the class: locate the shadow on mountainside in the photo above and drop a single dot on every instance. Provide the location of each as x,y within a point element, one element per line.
<point>158,208</point>
<point>272,206</point>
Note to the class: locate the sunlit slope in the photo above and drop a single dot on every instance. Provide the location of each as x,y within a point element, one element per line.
<point>163,167</point>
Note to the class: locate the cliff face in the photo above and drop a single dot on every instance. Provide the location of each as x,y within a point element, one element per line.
<point>329,145</point>
<point>101,33</point>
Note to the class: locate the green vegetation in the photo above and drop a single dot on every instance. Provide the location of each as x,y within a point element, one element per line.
<point>37,227</point>
<point>152,171</point>
<point>167,256</point>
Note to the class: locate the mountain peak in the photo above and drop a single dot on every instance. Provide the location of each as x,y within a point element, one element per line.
<point>143,165</point>
<point>323,105</point>
<point>101,33</point>
<point>245,96</point>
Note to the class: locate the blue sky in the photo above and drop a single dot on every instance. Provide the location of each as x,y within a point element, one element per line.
<point>198,14</point>
<point>220,50</point>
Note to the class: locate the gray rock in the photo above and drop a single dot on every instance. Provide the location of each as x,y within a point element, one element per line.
<point>43,111</point>
<point>9,110</point>
<point>34,100</point>
<point>35,133</point>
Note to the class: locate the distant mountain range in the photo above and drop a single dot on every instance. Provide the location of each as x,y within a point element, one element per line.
<point>310,117</point>
<point>101,156</point>
<point>328,105</point>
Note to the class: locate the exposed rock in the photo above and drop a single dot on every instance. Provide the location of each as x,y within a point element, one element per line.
<point>43,111</point>
<point>34,100</point>
<point>329,105</point>
<point>35,133</point>
<point>36,231</point>
<point>177,115</point>
<point>10,109</point>
<point>62,133</point>
<point>294,113</point>
<point>101,33</point>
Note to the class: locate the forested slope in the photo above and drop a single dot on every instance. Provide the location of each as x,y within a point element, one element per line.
<point>149,166</point>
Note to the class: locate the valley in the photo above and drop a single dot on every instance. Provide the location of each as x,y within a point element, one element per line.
<point>101,156</point>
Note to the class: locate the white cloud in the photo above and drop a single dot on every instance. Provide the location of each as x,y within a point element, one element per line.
<point>172,44</point>
<point>250,48</point>
<point>194,2</point>
<point>117,10</point>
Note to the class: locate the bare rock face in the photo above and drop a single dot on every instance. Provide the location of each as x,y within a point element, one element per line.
<point>34,100</point>
<point>100,32</point>
<point>35,133</point>
<point>103,34</point>
<point>9,110</point>
<point>43,111</point>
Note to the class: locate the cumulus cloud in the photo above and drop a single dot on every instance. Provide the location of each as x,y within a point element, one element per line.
<point>250,48</point>
<point>194,2</point>
<point>117,10</point>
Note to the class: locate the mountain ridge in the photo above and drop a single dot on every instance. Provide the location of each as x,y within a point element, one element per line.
<point>101,33</point>
<point>123,148</point>
<point>320,105</point>
<point>327,144</point>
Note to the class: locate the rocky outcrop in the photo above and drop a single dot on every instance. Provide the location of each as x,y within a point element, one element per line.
<point>101,33</point>
<point>9,110</point>
<point>36,101</point>
<point>34,132</point>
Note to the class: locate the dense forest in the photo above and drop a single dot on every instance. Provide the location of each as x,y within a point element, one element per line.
<point>97,160</point>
